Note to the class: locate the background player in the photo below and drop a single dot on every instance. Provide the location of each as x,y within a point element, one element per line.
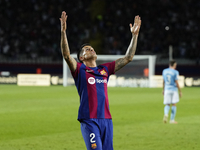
<point>91,82</point>
<point>170,92</point>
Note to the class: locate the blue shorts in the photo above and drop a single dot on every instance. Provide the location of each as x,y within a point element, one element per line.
<point>97,134</point>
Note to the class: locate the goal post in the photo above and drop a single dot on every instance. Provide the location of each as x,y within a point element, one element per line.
<point>135,74</point>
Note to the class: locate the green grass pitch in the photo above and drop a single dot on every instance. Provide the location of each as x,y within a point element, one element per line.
<point>45,118</point>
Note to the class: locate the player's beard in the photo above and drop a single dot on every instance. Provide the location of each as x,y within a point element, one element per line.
<point>91,57</point>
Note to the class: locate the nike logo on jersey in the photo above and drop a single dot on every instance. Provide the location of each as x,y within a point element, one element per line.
<point>89,70</point>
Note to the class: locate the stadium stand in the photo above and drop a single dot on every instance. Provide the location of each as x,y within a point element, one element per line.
<point>30,30</point>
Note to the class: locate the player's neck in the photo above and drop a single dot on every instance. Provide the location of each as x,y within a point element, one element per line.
<point>171,67</point>
<point>90,63</point>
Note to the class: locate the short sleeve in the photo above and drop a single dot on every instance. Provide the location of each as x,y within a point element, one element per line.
<point>177,74</point>
<point>111,67</point>
<point>76,72</point>
<point>163,74</point>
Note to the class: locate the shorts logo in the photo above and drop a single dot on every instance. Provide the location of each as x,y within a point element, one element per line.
<point>91,80</point>
<point>103,72</point>
<point>94,146</point>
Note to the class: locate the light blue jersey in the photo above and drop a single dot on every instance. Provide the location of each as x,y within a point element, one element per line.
<point>170,76</point>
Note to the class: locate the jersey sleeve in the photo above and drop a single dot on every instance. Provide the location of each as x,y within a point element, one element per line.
<point>76,72</point>
<point>177,74</point>
<point>163,74</point>
<point>111,67</point>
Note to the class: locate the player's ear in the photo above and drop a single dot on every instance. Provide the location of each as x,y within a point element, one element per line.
<point>81,58</point>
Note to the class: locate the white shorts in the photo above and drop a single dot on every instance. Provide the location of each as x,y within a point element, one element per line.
<point>171,97</point>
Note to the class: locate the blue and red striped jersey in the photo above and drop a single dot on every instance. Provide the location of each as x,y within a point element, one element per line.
<point>91,84</point>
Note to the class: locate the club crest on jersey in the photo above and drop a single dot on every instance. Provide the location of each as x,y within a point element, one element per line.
<point>94,146</point>
<point>103,72</point>
<point>91,80</point>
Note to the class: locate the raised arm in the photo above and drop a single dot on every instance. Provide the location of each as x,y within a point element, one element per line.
<point>64,44</point>
<point>121,62</point>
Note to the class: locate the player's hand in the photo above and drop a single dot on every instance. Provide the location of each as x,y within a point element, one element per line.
<point>136,27</point>
<point>63,20</point>
<point>163,92</point>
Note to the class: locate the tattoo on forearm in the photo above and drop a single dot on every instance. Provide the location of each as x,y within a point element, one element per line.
<point>121,62</point>
<point>66,52</point>
<point>64,45</point>
<point>132,47</point>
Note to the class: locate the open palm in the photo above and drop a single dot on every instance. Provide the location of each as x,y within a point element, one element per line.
<point>136,27</point>
<point>63,20</point>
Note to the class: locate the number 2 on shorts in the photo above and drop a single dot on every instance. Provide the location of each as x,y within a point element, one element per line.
<point>92,135</point>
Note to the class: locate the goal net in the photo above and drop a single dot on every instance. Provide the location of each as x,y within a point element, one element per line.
<point>135,74</point>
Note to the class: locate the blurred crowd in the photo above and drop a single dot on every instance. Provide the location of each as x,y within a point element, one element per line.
<point>31,29</point>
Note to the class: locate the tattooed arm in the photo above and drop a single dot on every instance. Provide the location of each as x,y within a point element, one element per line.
<point>121,62</point>
<point>64,44</point>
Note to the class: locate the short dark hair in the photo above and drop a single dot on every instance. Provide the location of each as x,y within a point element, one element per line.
<point>172,62</point>
<point>79,52</point>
